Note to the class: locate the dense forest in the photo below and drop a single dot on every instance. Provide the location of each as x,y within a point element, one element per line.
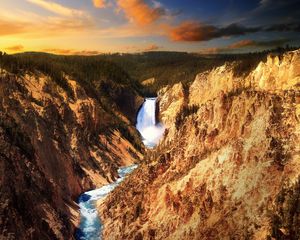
<point>101,79</point>
<point>107,71</point>
<point>169,68</point>
<point>91,71</point>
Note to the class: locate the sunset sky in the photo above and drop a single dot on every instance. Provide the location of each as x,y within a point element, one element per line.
<point>97,26</point>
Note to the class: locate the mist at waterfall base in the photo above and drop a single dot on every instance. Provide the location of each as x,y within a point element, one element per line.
<point>150,130</point>
<point>90,225</point>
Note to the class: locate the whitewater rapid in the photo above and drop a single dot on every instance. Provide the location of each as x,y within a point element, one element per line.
<point>90,225</point>
<point>150,129</point>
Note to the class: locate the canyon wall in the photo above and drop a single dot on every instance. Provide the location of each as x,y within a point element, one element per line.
<point>53,148</point>
<point>226,165</point>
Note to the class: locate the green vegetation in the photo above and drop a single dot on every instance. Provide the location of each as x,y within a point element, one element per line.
<point>108,71</point>
<point>169,68</point>
<point>94,73</point>
<point>16,136</point>
<point>101,79</point>
<point>131,136</point>
<point>285,217</point>
<point>19,64</point>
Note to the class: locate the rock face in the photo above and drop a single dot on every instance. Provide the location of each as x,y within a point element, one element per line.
<point>52,148</point>
<point>231,145</point>
<point>148,81</point>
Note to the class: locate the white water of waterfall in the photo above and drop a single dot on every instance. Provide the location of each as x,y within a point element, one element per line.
<point>150,130</point>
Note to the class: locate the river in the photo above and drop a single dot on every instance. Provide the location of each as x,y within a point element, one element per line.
<point>90,227</point>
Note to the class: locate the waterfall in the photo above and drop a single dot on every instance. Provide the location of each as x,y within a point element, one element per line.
<point>150,130</point>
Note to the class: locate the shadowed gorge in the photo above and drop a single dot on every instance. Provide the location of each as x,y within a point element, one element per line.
<point>60,136</point>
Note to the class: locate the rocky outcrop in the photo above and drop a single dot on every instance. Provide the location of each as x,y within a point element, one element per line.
<point>53,148</point>
<point>231,145</point>
<point>149,81</point>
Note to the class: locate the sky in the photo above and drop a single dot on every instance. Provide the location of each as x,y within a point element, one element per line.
<point>88,27</point>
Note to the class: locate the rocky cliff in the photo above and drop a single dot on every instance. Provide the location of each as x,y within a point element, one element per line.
<point>52,148</point>
<point>228,164</point>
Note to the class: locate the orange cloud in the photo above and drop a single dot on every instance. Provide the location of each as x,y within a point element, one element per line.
<point>71,51</point>
<point>135,48</point>
<point>151,47</point>
<point>99,3</point>
<point>233,46</point>
<point>192,31</point>
<point>31,25</point>
<point>16,48</point>
<point>213,50</point>
<point>139,12</point>
<point>8,27</point>
<point>242,44</point>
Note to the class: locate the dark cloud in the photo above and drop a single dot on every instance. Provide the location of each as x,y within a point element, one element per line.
<point>287,27</point>
<point>252,43</point>
<point>247,43</point>
<point>193,31</point>
<point>272,43</point>
<point>196,32</point>
<point>271,12</point>
<point>236,30</point>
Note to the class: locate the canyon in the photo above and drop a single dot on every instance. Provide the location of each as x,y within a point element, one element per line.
<point>214,158</point>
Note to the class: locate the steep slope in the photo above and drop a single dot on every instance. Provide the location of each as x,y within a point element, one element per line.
<point>55,143</point>
<point>230,148</point>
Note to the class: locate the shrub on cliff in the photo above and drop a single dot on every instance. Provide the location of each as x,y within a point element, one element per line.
<point>16,136</point>
<point>285,217</point>
<point>183,113</point>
